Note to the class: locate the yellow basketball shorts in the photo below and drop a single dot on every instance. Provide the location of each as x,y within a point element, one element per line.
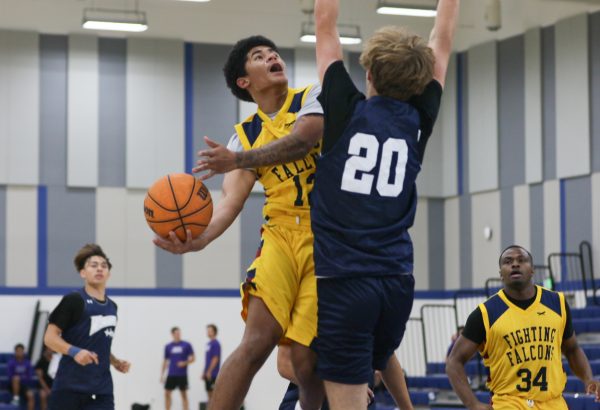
<point>506,402</point>
<point>283,276</point>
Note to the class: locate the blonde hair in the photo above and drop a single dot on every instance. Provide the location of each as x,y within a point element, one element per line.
<point>400,62</point>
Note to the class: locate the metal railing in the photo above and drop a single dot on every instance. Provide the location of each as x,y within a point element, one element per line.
<point>438,326</point>
<point>569,272</point>
<point>465,301</point>
<point>411,352</point>
<point>36,336</point>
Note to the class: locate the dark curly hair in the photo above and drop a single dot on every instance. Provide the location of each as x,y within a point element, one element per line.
<point>235,66</point>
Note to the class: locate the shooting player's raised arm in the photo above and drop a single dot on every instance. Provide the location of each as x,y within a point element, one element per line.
<point>442,35</point>
<point>329,48</point>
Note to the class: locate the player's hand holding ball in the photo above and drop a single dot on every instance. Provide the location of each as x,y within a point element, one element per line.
<point>178,208</point>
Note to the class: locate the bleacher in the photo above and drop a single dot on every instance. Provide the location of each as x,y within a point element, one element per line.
<point>5,396</point>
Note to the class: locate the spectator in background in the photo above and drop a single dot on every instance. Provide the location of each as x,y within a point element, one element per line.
<point>41,370</point>
<point>213,359</point>
<point>20,374</point>
<point>179,354</point>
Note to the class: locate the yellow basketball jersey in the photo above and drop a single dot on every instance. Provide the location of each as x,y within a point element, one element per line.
<point>286,186</point>
<point>523,347</point>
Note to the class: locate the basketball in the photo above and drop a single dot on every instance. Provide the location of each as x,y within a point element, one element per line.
<point>178,202</point>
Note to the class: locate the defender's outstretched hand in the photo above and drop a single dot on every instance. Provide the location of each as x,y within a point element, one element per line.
<point>216,160</point>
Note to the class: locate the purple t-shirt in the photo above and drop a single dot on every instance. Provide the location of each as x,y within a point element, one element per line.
<point>22,369</point>
<point>213,349</point>
<point>177,352</point>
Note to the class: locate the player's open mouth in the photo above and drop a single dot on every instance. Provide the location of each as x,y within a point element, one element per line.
<point>276,68</point>
<point>516,274</point>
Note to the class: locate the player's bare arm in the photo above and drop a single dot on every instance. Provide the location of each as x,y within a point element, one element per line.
<point>461,353</point>
<point>213,363</point>
<point>441,37</point>
<point>579,364</point>
<point>218,159</point>
<point>236,187</point>
<point>54,340</point>
<point>162,371</point>
<point>395,382</point>
<point>328,48</point>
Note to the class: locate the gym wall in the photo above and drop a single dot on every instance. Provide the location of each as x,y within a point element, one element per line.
<point>87,123</point>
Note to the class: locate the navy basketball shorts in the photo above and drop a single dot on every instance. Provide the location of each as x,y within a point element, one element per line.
<point>68,400</point>
<point>361,322</point>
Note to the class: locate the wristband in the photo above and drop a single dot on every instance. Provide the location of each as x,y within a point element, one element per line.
<point>73,350</point>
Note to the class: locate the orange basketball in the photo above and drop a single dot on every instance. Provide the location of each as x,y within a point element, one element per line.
<point>177,202</point>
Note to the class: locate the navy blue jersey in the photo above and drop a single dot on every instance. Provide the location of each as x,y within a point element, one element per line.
<point>364,198</point>
<point>93,331</point>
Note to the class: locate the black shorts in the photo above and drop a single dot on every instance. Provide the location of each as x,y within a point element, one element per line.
<point>176,382</point>
<point>361,323</point>
<point>209,384</point>
<point>68,400</point>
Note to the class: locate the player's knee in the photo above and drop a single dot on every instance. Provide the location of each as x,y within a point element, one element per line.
<point>304,372</point>
<point>258,347</point>
<point>284,367</point>
<point>304,368</point>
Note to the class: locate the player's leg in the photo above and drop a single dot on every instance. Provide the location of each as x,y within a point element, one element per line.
<point>348,312</point>
<point>184,398</point>
<point>168,397</point>
<point>303,326</point>
<point>29,398</point>
<point>210,385</point>
<point>43,399</point>
<point>397,295</point>
<point>395,382</point>
<point>343,396</point>
<point>268,297</point>
<point>260,338</point>
<point>284,362</point>
<point>15,387</point>
<point>311,388</point>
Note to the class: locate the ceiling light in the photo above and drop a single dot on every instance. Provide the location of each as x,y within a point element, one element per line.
<point>349,33</point>
<point>115,20</point>
<point>410,9</point>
